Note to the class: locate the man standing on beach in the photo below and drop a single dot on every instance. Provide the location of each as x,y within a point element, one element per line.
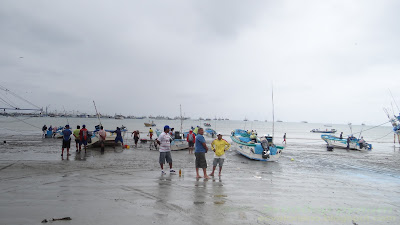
<point>66,140</point>
<point>284,138</point>
<point>83,134</point>
<point>219,146</point>
<point>200,153</point>
<point>102,138</point>
<point>136,136</point>
<point>118,137</point>
<point>44,130</point>
<point>77,138</point>
<point>191,139</point>
<point>164,140</point>
<point>151,134</point>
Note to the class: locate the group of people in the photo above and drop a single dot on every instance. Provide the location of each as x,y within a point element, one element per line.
<point>198,142</point>
<point>52,129</point>
<point>81,138</point>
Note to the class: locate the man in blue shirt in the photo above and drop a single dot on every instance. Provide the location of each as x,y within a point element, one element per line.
<point>66,140</point>
<point>200,153</point>
<point>118,137</point>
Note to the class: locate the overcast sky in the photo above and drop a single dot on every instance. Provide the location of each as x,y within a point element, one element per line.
<point>328,61</point>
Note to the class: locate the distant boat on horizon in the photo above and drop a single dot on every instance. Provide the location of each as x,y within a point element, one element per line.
<point>304,121</point>
<point>279,121</point>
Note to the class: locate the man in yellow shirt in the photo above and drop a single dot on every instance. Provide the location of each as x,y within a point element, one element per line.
<point>219,146</point>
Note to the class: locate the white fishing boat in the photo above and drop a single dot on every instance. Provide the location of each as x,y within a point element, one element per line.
<point>326,131</point>
<point>336,142</point>
<point>262,150</point>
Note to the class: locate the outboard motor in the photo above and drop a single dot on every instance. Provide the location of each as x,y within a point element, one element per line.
<point>89,138</point>
<point>265,146</point>
<point>177,135</point>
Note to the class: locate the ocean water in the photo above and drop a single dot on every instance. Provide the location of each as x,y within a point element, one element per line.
<point>307,176</point>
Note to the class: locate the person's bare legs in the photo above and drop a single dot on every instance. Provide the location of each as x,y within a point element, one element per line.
<point>212,173</point>
<point>67,151</point>
<point>197,173</point>
<point>170,166</point>
<point>205,173</point>
<point>62,151</point>
<point>220,169</point>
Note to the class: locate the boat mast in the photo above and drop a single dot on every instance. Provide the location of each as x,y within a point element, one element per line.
<point>273,113</point>
<point>98,116</point>
<point>180,108</point>
<point>65,114</point>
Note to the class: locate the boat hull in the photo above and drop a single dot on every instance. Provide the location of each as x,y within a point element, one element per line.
<point>254,150</point>
<point>342,143</point>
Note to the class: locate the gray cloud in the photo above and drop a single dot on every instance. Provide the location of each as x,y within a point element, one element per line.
<point>328,60</point>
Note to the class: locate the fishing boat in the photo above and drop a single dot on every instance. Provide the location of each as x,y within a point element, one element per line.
<point>152,124</point>
<point>210,132</point>
<point>207,125</point>
<point>177,143</point>
<point>93,140</point>
<point>336,142</point>
<point>119,117</point>
<point>263,149</point>
<point>332,131</point>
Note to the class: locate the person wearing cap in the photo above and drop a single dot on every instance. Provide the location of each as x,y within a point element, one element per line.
<point>66,143</point>
<point>77,138</point>
<point>164,140</point>
<point>83,134</point>
<point>200,153</point>
<point>219,146</point>
<point>191,139</point>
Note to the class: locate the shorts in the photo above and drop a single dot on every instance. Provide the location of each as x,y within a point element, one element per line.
<point>191,144</point>
<point>77,141</point>
<point>101,142</point>
<point>165,156</point>
<point>136,139</point>
<point>219,161</point>
<point>83,142</point>
<point>119,139</point>
<point>200,160</point>
<point>66,144</point>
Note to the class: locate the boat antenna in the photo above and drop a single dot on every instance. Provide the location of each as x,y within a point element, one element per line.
<point>362,127</point>
<point>394,100</point>
<point>273,112</point>
<point>98,116</point>
<point>351,128</point>
<point>65,114</point>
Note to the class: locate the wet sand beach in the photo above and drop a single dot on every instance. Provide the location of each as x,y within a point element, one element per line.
<point>126,187</point>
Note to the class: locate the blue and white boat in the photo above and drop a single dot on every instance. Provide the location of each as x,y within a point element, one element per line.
<point>263,149</point>
<point>210,132</point>
<point>336,142</point>
<point>177,143</point>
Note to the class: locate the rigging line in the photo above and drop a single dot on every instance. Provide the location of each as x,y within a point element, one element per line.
<point>17,96</point>
<point>28,123</point>
<point>16,120</point>
<point>394,100</point>
<point>372,127</point>
<point>383,136</point>
<point>9,101</point>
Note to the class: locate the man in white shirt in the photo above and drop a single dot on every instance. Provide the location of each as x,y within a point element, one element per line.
<point>164,140</point>
<point>102,138</point>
